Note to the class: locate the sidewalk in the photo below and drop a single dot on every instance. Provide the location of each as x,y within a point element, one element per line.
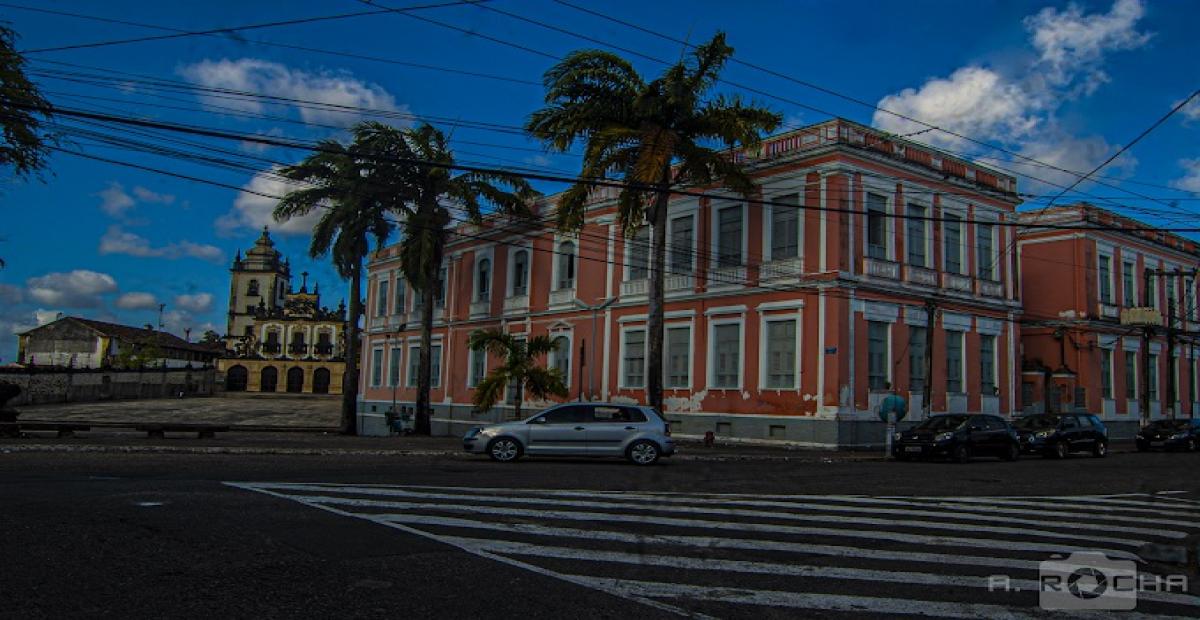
<point>325,444</point>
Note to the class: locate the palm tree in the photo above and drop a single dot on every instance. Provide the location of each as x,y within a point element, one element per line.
<point>654,135</point>
<point>346,183</point>
<point>420,166</point>
<point>519,369</point>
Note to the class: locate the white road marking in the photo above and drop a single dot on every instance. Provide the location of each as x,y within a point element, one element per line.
<point>920,539</point>
<point>1015,502</point>
<point>728,512</point>
<point>413,517</point>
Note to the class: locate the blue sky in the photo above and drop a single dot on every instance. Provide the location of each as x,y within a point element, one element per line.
<point>1064,83</point>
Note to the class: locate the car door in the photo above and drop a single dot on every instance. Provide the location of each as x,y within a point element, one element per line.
<point>1089,433</point>
<point>1069,431</point>
<point>560,430</point>
<point>979,435</point>
<point>612,427</point>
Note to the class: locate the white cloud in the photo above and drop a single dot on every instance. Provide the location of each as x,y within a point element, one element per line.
<point>1190,181</point>
<point>137,301</point>
<point>258,147</point>
<point>1071,45</point>
<point>198,303</point>
<point>253,75</point>
<point>145,195</point>
<point>42,316</point>
<point>80,288</point>
<point>253,210</point>
<point>10,294</point>
<point>119,241</point>
<point>1190,111</point>
<point>973,101</point>
<point>114,201</point>
<point>1069,153</point>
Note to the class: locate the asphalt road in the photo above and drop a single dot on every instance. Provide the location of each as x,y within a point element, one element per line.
<point>167,535</point>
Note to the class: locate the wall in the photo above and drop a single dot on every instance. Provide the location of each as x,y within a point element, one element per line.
<point>59,386</point>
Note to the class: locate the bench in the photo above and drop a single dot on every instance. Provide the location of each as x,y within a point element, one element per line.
<point>64,429</point>
<point>203,431</point>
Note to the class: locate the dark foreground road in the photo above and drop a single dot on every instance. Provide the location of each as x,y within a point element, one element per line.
<point>113,535</point>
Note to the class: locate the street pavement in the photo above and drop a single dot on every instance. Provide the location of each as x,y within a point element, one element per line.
<point>187,535</point>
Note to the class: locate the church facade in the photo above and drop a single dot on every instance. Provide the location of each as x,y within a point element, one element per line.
<point>278,339</point>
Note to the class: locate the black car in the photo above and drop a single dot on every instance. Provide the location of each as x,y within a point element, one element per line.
<point>958,436</point>
<point>1170,435</point>
<point>1057,435</point>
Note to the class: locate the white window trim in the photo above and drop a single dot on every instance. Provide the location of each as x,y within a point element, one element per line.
<point>379,294</point>
<point>888,363</point>
<point>1112,373</point>
<point>763,370</point>
<point>627,259</point>
<point>411,371</point>
<point>621,357</point>
<point>889,222</point>
<point>392,348</point>
<point>1137,297</point>
<point>399,285</point>
<point>1112,285</point>
<point>926,229</point>
<point>510,281</point>
<point>993,260</point>
<point>712,352</point>
<point>559,239</point>
<point>473,354</point>
<point>961,213</point>
<point>480,255</point>
<point>714,227</point>
<point>768,235</point>
<point>570,336</point>
<point>995,361</point>
<point>383,362</point>
<point>1132,393</point>
<point>691,354</point>
<point>963,366</point>
<point>435,379</point>
<point>684,209</point>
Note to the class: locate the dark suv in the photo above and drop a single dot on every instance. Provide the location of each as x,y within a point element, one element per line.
<point>958,436</point>
<point>1057,435</point>
<point>1170,435</point>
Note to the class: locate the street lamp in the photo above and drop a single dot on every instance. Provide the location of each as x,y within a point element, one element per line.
<point>595,309</point>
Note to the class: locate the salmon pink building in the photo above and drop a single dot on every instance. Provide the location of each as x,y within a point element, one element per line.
<point>875,262</point>
<point>1111,306</point>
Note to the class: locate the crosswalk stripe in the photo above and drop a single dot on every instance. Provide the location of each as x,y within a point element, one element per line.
<point>422,510</point>
<point>818,518</point>
<point>921,539</point>
<point>1090,507</point>
<point>842,602</point>
<point>709,542</point>
<point>940,502</point>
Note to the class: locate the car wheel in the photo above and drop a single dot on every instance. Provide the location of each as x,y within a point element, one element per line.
<point>1013,453</point>
<point>1060,450</point>
<point>1100,450</point>
<point>504,449</point>
<point>642,452</point>
<point>962,453</point>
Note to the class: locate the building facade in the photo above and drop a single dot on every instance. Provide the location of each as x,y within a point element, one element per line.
<point>1110,312</point>
<point>75,342</point>
<point>279,339</point>
<point>878,262</point>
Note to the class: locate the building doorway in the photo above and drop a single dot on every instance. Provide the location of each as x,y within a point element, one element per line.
<point>295,379</point>
<point>321,381</point>
<point>269,379</point>
<point>236,378</point>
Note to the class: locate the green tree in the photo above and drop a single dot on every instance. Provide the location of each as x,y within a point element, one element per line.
<point>353,192</point>
<point>520,369</point>
<point>210,337</point>
<point>667,133</point>
<point>138,354</point>
<point>419,167</point>
<point>23,112</point>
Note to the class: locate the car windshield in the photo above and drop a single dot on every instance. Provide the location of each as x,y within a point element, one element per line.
<point>1168,425</point>
<point>1036,422</point>
<point>942,423</point>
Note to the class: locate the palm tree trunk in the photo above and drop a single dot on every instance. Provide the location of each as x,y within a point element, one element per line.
<point>425,363</point>
<point>350,378</point>
<point>654,315</point>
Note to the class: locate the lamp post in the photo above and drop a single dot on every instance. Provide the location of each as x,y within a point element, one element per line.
<point>595,309</point>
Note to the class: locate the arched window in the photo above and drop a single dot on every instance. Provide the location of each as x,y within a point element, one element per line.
<point>566,265</point>
<point>483,282</point>
<point>252,289</point>
<point>520,273</point>
<point>560,358</point>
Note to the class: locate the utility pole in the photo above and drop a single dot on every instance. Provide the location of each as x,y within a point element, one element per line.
<point>1147,333</point>
<point>927,391</point>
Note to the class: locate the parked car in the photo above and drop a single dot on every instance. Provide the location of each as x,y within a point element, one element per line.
<point>578,429</point>
<point>958,436</point>
<point>1058,435</point>
<point>1170,435</point>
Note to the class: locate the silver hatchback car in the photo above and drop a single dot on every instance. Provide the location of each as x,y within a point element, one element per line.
<point>578,429</point>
